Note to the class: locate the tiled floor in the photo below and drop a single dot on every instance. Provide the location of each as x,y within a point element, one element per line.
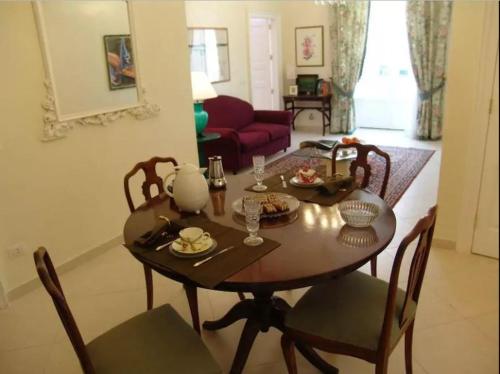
<point>456,328</point>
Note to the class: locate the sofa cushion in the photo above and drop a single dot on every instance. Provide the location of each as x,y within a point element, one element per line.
<point>275,131</point>
<point>253,139</point>
<point>228,111</point>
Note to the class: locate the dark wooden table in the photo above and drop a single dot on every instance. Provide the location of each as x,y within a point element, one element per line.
<point>323,104</point>
<point>314,248</point>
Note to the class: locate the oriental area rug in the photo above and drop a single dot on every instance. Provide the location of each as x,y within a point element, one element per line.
<point>406,164</point>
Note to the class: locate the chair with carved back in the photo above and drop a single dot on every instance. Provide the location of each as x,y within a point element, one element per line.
<point>156,341</point>
<point>361,161</point>
<point>360,315</point>
<point>151,179</point>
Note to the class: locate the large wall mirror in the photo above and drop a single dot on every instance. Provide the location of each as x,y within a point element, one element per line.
<point>209,52</point>
<point>91,63</point>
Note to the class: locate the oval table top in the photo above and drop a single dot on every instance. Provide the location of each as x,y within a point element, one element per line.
<point>315,247</point>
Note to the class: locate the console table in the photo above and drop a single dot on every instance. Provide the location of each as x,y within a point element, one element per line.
<point>323,105</point>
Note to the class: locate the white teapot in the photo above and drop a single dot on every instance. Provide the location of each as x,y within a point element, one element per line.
<point>189,188</point>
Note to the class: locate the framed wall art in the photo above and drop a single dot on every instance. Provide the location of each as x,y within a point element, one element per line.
<point>309,46</point>
<point>120,61</point>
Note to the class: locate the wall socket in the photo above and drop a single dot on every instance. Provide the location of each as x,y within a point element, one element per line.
<point>16,250</point>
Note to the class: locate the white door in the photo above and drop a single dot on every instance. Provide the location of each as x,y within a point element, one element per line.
<point>263,63</point>
<point>486,231</point>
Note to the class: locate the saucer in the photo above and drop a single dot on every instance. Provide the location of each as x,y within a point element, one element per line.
<point>207,246</point>
<point>297,183</point>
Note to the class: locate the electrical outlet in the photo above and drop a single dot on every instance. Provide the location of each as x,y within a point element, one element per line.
<point>16,250</point>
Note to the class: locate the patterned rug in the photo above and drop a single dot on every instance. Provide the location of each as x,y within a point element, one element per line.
<point>406,164</point>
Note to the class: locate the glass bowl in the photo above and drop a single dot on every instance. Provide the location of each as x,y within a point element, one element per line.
<point>357,213</point>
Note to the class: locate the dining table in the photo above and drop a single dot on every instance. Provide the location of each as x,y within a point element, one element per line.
<point>316,246</point>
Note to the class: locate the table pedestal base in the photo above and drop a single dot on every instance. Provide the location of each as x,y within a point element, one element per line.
<point>261,313</point>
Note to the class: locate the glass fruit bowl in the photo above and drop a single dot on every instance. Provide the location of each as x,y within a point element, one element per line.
<point>357,213</point>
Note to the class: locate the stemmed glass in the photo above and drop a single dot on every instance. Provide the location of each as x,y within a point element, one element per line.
<point>258,171</point>
<point>253,209</point>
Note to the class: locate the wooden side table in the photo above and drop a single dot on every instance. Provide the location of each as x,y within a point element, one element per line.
<point>323,105</point>
<point>204,138</point>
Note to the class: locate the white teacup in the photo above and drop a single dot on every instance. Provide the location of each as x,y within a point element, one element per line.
<point>193,235</point>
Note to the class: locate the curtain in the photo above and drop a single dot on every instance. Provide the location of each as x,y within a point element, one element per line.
<point>348,30</point>
<point>428,25</point>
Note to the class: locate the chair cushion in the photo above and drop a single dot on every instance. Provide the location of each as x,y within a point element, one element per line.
<point>275,131</point>
<point>253,139</point>
<point>157,341</point>
<point>349,310</point>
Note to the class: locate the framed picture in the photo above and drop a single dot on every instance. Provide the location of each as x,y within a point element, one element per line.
<point>293,90</point>
<point>120,61</point>
<point>309,46</point>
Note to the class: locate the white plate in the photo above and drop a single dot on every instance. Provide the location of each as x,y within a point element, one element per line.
<point>207,246</point>
<point>293,205</point>
<point>297,183</point>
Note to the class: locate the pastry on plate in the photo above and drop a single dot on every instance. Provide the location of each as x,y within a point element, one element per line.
<point>306,175</point>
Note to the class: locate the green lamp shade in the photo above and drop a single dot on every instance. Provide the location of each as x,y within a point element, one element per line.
<point>200,118</point>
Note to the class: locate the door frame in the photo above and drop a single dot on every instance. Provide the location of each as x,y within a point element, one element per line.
<point>484,91</point>
<point>277,57</point>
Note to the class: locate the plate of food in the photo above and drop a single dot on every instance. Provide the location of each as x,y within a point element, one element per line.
<point>201,248</point>
<point>306,177</point>
<point>274,204</point>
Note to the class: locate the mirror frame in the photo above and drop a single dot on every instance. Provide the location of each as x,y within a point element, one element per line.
<point>57,126</point>
<point>228,54</point>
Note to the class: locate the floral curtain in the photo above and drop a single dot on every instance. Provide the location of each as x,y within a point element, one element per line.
<point>348,30</point>
<point>428,25</point>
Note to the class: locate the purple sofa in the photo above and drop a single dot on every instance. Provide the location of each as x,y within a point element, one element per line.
<point>244,131</point>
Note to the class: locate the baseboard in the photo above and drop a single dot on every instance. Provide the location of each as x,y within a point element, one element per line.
<point>76,261</point>
<point>444,243</point>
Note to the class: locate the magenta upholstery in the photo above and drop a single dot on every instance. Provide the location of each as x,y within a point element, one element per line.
<point>244,132</point>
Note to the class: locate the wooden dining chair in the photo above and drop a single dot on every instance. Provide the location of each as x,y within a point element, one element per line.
<point>156,341</point>
<point>151,179</point>
<point>360,315</point>
<point>361,161</point>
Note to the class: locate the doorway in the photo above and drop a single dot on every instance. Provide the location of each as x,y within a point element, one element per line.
<point>264,63</point>
<point>386,95</point>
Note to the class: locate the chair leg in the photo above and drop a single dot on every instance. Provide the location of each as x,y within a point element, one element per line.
<point>408,348</point>
<point>148,274</point>
<point>288,349</point>
<point>381,366</point>
<point>241,296</point>
<point>192,296</point>
<point>373,266</point>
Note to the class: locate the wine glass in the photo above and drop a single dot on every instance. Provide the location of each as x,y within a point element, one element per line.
<point>253,208</point>
<point>258,171</point>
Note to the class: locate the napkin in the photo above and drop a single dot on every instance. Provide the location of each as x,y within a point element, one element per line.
<point>162,230</point>
<point>331,188</point>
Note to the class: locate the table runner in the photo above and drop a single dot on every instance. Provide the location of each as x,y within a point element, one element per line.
<point>312,195</point>
<point>218,269</point>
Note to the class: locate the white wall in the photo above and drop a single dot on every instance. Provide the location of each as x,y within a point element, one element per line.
<point>462,124</point>
<point>68,195</point>
<point>234,16</point>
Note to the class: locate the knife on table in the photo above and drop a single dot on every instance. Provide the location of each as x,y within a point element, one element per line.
<point>196,264</point>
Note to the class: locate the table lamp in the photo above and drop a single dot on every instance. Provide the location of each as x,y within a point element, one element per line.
<point>202,89</point>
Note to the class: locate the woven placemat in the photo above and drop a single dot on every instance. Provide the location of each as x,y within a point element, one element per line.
<point>311,195</point>
<point>218,269</point>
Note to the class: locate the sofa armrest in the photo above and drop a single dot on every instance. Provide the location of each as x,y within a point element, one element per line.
<point>282,117</point>
<point>226,133</point>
